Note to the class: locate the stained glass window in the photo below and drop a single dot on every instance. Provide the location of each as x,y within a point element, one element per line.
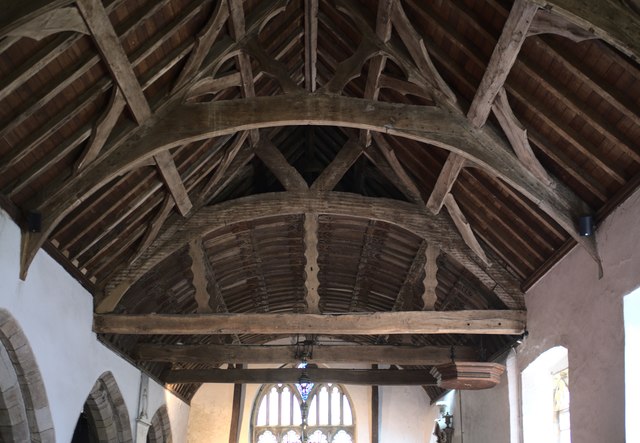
<point>304,387</point>
<point>277,415</point>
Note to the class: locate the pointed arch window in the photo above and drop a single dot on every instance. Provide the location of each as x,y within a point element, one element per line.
<point>279,412</point>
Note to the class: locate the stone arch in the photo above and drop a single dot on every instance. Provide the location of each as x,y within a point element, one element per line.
<point>24,407</point>
<point>107,412</point>
<point>160,429</point>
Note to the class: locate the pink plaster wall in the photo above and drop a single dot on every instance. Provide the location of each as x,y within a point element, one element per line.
<point>571,307</point>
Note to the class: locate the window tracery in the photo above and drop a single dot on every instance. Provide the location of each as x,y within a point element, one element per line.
<point>279,415</point>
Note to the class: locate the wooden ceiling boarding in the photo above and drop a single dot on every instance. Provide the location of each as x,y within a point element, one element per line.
<point>389,174</point>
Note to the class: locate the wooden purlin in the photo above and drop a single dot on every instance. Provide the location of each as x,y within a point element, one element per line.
<point>65,19</point>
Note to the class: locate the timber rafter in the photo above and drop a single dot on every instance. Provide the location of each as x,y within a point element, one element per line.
<point>190,123</point>
<point>153,140</point>
<point>437,229</point>
<point>562,206</point>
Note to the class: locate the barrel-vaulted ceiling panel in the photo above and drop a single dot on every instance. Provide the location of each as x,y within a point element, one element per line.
<point>497,123</point>
<point>268,275</point>
<point>362,264</point>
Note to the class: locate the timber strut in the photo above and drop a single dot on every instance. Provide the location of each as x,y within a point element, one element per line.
<point>230,179</point>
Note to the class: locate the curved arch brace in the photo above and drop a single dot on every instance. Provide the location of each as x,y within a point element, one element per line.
<point>437,230</point>
<point>187,123</point>
<point>615,22</point>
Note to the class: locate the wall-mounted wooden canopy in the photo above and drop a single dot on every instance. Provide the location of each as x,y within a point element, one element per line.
<point>290,159</point>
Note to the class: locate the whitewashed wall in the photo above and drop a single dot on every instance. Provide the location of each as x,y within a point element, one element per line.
<point>402,413</point>
<point>55,313</point>
<point>210,418</point>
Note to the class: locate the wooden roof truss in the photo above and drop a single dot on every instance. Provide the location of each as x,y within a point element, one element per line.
<point>181,121</point>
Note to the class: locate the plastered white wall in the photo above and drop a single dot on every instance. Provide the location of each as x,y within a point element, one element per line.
<point>211,410</point>
<point>55,313</point>
<point>210,418</point>
<point>402,414</point>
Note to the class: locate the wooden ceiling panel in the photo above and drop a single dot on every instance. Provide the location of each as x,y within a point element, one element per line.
<point>579,104</point>
<point>155,291</point>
